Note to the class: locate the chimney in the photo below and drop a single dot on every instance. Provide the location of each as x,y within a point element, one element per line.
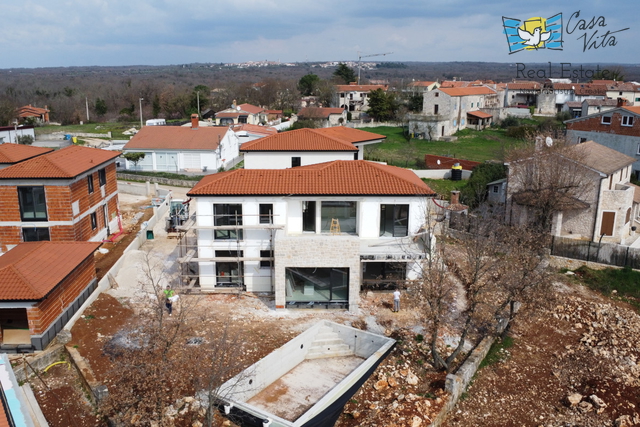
<point>194,121</point>
<point>455,197</point>
<point>621,102</point>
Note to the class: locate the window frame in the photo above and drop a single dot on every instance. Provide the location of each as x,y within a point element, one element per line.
<point>294,160</point>
<point>602,121</point>
<point>90,186</point>
<point>266,217</point>
<point>38,236</point>
<point>94,220</point>
<point>22,193</point>
<point>102,177</point>
<point>627,121</point>
<point>265,253</point>
<point>398,213</point>
<point>225,214</point>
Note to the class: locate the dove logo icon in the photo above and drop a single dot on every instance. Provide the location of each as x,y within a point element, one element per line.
<point>533,33</point>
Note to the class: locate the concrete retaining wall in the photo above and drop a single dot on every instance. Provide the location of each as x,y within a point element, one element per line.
<point>165,181</point>
<point>439,173</point>
<point>457,383</point>
<point>39,361</point>
<point>145,189</point>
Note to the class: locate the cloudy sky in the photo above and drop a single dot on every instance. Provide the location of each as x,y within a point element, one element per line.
<point>157,32</point>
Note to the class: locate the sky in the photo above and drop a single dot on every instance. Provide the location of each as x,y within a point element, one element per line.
<point>58,33</point>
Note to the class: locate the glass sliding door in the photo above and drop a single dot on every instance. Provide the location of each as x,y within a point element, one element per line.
<point>316,284</point>
<point>394,220</point>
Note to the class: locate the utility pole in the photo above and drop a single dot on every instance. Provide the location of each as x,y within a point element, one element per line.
<point>198,104</point>
<point>368,56</point>
<point>141,99</point>
<point>86,100</point>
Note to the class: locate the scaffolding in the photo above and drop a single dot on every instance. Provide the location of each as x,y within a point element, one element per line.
<point>189,251</point>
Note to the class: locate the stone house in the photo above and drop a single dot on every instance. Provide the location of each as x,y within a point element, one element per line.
<point>303,147</point>
<point>617,128</point>
<point>178,148</point>
<point>243,113</point>
<point>324,117</point>
<point>65,195</point>
<point>312,235</point>
<point>43,285</point>
<point>355,97</point>
<point>600,210</point>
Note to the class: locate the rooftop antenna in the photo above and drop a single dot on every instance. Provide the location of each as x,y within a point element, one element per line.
<point>368,56</point>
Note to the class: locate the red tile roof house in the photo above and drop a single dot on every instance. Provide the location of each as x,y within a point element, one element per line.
<point>247,132</point>
<point>65,195</point>
<point>448,110</point>
<point>325,117</point>
<point>41,115</point>
<point>618,128</point>
<point>355,97</point>
<point>43,285</point>
<point>178,148</point>
<point>10,154</point>
<point>243,113</point>
<point>313,235</point>
<point>304,147</point>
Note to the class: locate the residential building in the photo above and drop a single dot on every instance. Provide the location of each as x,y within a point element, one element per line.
<point>243,113</point>
<point>177,148</point>
<point>497,192</point>
<point>448,110</point>
<point>355,98</point>
<point>65,195</point>
<point>10,134</point>
<point>628,91</point>
<point>617,128</point>
<point>324,117</point>
<point>598,205</point>
<point>593,106</point>
<point>39,115</point>
<point>422,86</point>
<point>43,285</point>
<point>312,235</point>
<point>303,147</point>
<point>522,94</point>
<point>10,154</point>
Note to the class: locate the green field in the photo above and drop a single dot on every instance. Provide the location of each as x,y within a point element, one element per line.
<point>479,146</point>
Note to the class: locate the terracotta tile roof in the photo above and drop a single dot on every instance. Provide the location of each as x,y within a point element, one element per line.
<point>453,83</point>
<point>340,177</point>
<point>634,110</point>
<point>244,110</point>
<point>574,104</point>
<point>604,82</point>
<point>601,158</point>
<point>479,114</point>
<point>299,140</point>
<point>601,102</point>
<point>251,108</point>
<point>177,138</point>
<point>465,91</point>
<point>421,84</point>
<point>523,86</point>
<point>68,162</point>
<point>255,129</point>
<point>563,86</point>
<point>31,270</point>
<point>588,89</point>
<point>359,88</point>
<point>441,162</point>
<point>350,135</point>
<point>30,111</point>
<point>14,153</point>
<point>319,112</point>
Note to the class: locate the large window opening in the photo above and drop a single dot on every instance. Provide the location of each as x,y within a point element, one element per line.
<point>344,212</point>
<point>317,284</point>
<point>394,220</point>
<point>230,216</point>
<point>33,205</point>
<point>383,275</point>
<point>266,213</point>
<point>229,273</point>
<point>309,216</point>
<point>35,234</point>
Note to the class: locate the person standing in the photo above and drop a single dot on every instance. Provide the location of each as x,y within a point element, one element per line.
<point>168,299</point>
<point>396,300</point>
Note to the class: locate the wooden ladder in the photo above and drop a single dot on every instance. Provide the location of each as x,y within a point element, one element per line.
<point>335,226</point>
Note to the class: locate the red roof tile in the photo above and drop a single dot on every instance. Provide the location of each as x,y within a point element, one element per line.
<point>244,110</point>
<point>421,84</point>
<point>350,135</point>
<point>319,112</point>
<point>263,130</point>
<point>347,177</point>
<point>30,111</point>
<point>465,91</point>
<point>589,89</point>
<point>31,270</point>
<point>251,108</point>
<point>298,140</point>
<point>479,114</point>
<point>68,162</point>
<point>177,138</point>
<point>635,110</point>
<point>14,153</point>
<point>441,162</point>
<point>523,86</point>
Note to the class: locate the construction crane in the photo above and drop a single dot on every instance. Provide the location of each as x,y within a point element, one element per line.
<point>368,56</point>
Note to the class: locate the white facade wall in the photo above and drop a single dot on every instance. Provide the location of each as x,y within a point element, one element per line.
<point>287,217</point>
<point>282,159</point>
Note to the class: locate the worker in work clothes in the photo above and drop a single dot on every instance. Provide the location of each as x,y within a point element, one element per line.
<point>396,300</point>
<point>168,299</point>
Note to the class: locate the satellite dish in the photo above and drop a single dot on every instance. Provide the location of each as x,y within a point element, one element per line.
<point>438,161</point>
<point>238,108</point>
<point>548,141</point>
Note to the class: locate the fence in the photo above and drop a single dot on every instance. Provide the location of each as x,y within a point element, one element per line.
<point>603,253</point>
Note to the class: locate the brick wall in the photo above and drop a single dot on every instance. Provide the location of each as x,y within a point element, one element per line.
<point>58,203</point>
<point>46,311</point>
<point>9,201</point>
<point>594,124</point>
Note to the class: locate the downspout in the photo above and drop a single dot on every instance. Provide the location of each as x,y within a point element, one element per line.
<point>595,220</point>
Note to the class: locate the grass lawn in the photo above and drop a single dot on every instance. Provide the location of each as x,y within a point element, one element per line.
<point>444,186</point>
<point>473,145</point>
<point>626,282</point>
<point>116,129</point>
